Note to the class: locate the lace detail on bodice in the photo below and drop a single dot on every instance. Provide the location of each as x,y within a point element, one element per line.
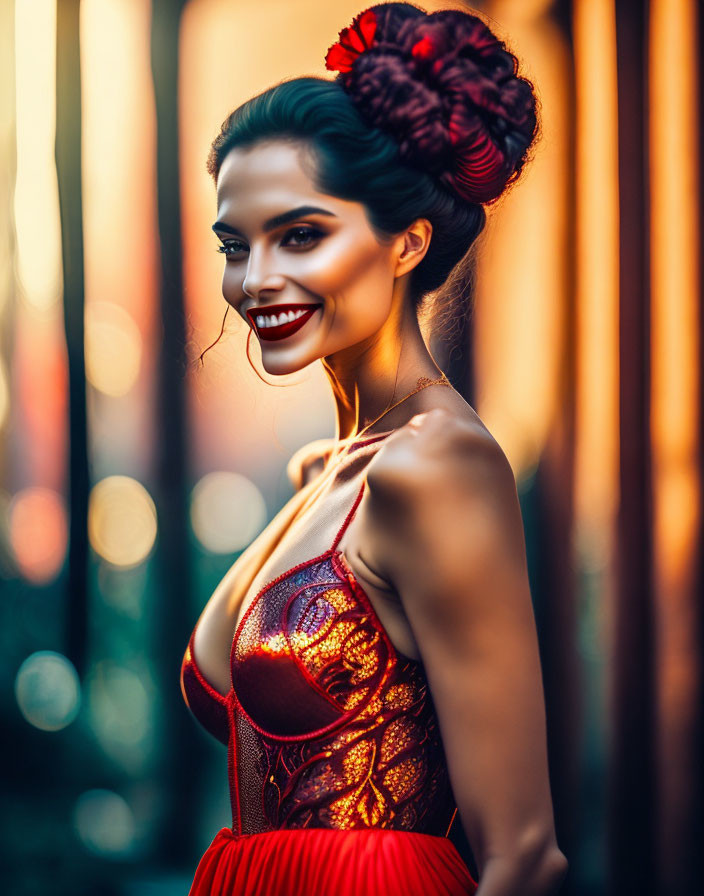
<point>340,731</point>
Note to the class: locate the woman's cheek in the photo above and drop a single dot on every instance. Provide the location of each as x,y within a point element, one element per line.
<point>232,278</point>
<point>338,266</point>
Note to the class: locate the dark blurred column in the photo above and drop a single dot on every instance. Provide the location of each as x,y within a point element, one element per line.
<point>554,585</point>
<point>172,609</point>
<point>68,168</point>
<point>632,855</point>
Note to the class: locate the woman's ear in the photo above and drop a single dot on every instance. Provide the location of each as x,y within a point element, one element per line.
<point>414,243</point>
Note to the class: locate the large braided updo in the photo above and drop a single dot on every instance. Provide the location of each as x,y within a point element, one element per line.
<point>427,118</point>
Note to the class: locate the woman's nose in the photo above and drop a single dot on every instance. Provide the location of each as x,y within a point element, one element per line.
<point>260,276</point>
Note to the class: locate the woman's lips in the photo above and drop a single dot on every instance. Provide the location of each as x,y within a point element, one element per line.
<point>282,331</point>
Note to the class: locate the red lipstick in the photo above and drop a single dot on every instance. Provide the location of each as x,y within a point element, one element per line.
<point>280,331</point>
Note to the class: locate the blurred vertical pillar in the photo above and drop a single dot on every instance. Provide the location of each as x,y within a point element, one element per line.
<point>173,605</point>
<point>631,840</point>
<point>553,481</point>
<point>8,172</point>
<point>675,420</point>
<point>68,169</point>
<point>596,451</point>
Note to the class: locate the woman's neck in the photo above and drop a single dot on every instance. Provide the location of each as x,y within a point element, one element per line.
<point>369,377</point>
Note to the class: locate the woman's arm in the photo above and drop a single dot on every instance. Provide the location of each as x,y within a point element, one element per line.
<point>445,528</point>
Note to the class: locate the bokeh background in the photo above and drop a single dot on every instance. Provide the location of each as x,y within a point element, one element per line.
<point>131,476</point>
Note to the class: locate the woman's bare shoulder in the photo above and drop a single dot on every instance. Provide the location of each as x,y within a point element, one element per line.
<point>440,473</point>
<point>432,449</point>
<point>443,497</point>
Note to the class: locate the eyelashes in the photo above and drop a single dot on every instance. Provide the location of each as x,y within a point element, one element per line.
<point>300,237</point>
<point>228,246</point>
<point>304,236</point>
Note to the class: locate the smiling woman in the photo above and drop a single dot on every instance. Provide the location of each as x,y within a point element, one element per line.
<point>320,251</point>
<point>274,322</point>
<point>371,661</point>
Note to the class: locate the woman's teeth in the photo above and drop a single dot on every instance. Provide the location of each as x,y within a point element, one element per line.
<point>273,320</point>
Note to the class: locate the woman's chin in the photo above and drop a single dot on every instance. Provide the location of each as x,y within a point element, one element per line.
<point>281,366</point>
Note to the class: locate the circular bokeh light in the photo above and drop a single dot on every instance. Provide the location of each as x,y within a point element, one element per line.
<point>38,533</point>
<point>104,822</point>
<point>121,521</point>
<point>48,690</point>
<point>121,711</point>
<point>227,512</point>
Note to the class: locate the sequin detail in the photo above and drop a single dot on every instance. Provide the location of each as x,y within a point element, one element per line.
<point>329,727</point>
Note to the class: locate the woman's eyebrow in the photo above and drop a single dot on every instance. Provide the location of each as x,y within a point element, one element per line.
<point>278,220</point>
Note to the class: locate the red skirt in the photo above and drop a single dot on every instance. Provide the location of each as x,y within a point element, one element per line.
<point>329,862</point>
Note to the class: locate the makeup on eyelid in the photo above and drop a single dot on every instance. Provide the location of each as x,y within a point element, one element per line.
<point>313,236</point>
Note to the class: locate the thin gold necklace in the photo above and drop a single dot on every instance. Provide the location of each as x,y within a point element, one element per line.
<point>422,383</point>
<point>333,461</point>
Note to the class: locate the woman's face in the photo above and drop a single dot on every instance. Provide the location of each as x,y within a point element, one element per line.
<point>301,255</point>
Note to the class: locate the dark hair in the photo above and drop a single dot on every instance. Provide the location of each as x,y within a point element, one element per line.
<point>431,122</point>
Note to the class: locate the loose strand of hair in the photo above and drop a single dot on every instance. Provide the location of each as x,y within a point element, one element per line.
<point>222,330</point>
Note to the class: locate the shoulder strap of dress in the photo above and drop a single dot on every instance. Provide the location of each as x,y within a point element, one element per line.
<point>349,516</point>
<point>362,443</point>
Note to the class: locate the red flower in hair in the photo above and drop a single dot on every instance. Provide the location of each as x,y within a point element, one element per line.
<point>424,49</point>
<point>353,42</point>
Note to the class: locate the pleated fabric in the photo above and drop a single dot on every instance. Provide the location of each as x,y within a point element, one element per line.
<point>331,862</point>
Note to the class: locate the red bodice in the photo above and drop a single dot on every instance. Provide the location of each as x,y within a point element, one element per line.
<point>326,724</point>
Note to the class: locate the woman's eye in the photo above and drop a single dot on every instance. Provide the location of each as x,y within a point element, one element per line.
<point>296,237</point>
<point>302,236</point>
<point>231,247</point>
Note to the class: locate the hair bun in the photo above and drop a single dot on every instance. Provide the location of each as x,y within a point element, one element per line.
<point>446,89</point>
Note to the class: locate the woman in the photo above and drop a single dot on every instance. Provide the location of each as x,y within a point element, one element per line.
<point>371,659</point>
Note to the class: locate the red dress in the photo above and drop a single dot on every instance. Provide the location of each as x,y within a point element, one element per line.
<point>338,779</point>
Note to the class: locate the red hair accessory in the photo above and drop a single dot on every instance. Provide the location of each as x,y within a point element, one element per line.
<point>424,49</point>
<point>352,43</point>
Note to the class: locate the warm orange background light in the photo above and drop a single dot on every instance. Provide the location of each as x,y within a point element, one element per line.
<point>120,227</point>
<point>38,533</point>
<point>521,279</point>
<point>37,401</point>
<point>596,487</point>
<point>676,364</point>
